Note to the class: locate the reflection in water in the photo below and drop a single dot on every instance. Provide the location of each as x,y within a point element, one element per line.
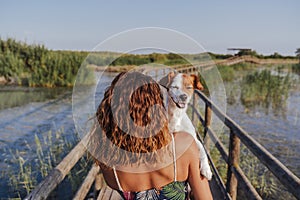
<point>18,96</point>
<point>266,89</point>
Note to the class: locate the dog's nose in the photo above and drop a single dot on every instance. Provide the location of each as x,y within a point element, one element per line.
<point>183,97</point>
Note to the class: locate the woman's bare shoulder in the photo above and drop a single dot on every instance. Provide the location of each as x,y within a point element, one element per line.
<point>186,141</point>
<point>183,136</point>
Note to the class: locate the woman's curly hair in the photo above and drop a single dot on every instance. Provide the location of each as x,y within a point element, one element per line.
<point>133,118</point>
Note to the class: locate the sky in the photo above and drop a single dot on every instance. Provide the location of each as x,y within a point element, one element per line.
<point>266,26</point>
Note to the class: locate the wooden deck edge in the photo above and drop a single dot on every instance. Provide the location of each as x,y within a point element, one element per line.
<point>87,183</point>
<point>107,193</point>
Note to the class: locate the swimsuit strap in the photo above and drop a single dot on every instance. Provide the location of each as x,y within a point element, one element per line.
<point>174,158</point>
<point>117,179</point>
<point>174,161</point>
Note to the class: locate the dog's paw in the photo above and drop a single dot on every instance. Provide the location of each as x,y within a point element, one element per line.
<point>206,171</point>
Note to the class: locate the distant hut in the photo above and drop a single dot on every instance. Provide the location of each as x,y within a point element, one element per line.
<point>240,51</point>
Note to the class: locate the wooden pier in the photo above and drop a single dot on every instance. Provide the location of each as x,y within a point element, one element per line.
<point>220,189</point>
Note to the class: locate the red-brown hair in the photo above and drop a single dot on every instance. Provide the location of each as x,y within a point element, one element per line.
<point>127,119</point>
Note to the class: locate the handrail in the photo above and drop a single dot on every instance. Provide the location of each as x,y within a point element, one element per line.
<point>284,175</point>
<point>237,171</point>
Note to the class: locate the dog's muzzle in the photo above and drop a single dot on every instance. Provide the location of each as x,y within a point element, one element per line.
<point>180,101</point>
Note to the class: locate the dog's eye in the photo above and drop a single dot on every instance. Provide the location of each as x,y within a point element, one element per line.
<point>175,87</point>
<point>189,87</point>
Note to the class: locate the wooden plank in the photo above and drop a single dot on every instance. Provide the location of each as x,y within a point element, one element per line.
<point>108,193</point>
<point>284,175</point>
<point>87,183</point>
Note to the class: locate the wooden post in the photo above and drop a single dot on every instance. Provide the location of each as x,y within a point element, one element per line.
<point>193,108</point>
<point>233,161</point>
<point>207,124</point>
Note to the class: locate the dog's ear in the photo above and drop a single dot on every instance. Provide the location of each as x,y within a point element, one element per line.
<point>166,80</point>
<point>196,82</point>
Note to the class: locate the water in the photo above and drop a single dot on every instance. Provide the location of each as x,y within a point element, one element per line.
<point>25,113</point>
<point>273,121</point>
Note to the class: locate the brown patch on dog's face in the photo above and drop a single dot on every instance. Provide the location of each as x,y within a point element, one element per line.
<point>196,82</point>
<point>190,83</point>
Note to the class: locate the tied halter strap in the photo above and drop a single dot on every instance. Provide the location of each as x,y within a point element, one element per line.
<point>174,162</point>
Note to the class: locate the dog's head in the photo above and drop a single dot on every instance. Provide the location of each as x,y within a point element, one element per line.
<point>181,87</point>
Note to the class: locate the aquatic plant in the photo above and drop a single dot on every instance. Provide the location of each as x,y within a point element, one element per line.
<point>267,89</point>
<point>48,150</point>
<point>296,68</point>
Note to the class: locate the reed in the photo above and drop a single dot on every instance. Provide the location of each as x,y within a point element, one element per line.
<point>229,73</point>
<point>267,89</point>
<point>48,150</point>
<point>296,68</point>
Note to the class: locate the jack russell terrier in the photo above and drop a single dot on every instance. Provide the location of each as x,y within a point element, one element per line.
<point>180,90</point>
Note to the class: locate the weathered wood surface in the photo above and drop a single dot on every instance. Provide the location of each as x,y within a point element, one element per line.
<point>233,161</point>
<point>108,193</point>
<point>87,183</point>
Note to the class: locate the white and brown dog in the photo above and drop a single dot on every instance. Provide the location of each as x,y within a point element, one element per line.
<point>180,90</point>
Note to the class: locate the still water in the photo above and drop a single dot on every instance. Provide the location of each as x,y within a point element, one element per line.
<point>264,103</point>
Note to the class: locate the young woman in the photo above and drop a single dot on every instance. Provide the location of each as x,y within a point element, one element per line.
<point>138,156</point>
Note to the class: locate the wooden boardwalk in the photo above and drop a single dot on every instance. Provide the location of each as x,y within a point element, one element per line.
<point>220,190</point>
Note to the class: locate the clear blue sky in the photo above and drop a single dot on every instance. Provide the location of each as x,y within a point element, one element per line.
<point>267,26</point>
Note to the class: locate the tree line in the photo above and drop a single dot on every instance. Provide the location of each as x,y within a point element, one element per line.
<point>34,65</point>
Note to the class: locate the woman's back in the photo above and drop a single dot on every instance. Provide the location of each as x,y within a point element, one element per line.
<point>167,182</point>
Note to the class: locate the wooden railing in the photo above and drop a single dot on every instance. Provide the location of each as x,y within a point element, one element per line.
<point>235,174</point>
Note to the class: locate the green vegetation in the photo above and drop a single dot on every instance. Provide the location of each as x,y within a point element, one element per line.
<point>296,68</point>
<point>49,150</point>
<point>34,65</point>
<point>266,89</point>
<point>248,52</point>
<point>136,60</point>
<point>18,96</point>
<point>229,73</point>
<point>298,54</point>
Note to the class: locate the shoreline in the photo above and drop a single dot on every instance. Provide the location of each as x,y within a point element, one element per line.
<point>12,81</point>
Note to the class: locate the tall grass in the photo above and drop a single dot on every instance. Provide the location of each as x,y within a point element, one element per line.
<point>296,68</point>
<point>266,89</point>
<point>35,65</point>
<point>26,172</point>
<point>229,73</point>
<point>265,183</point>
